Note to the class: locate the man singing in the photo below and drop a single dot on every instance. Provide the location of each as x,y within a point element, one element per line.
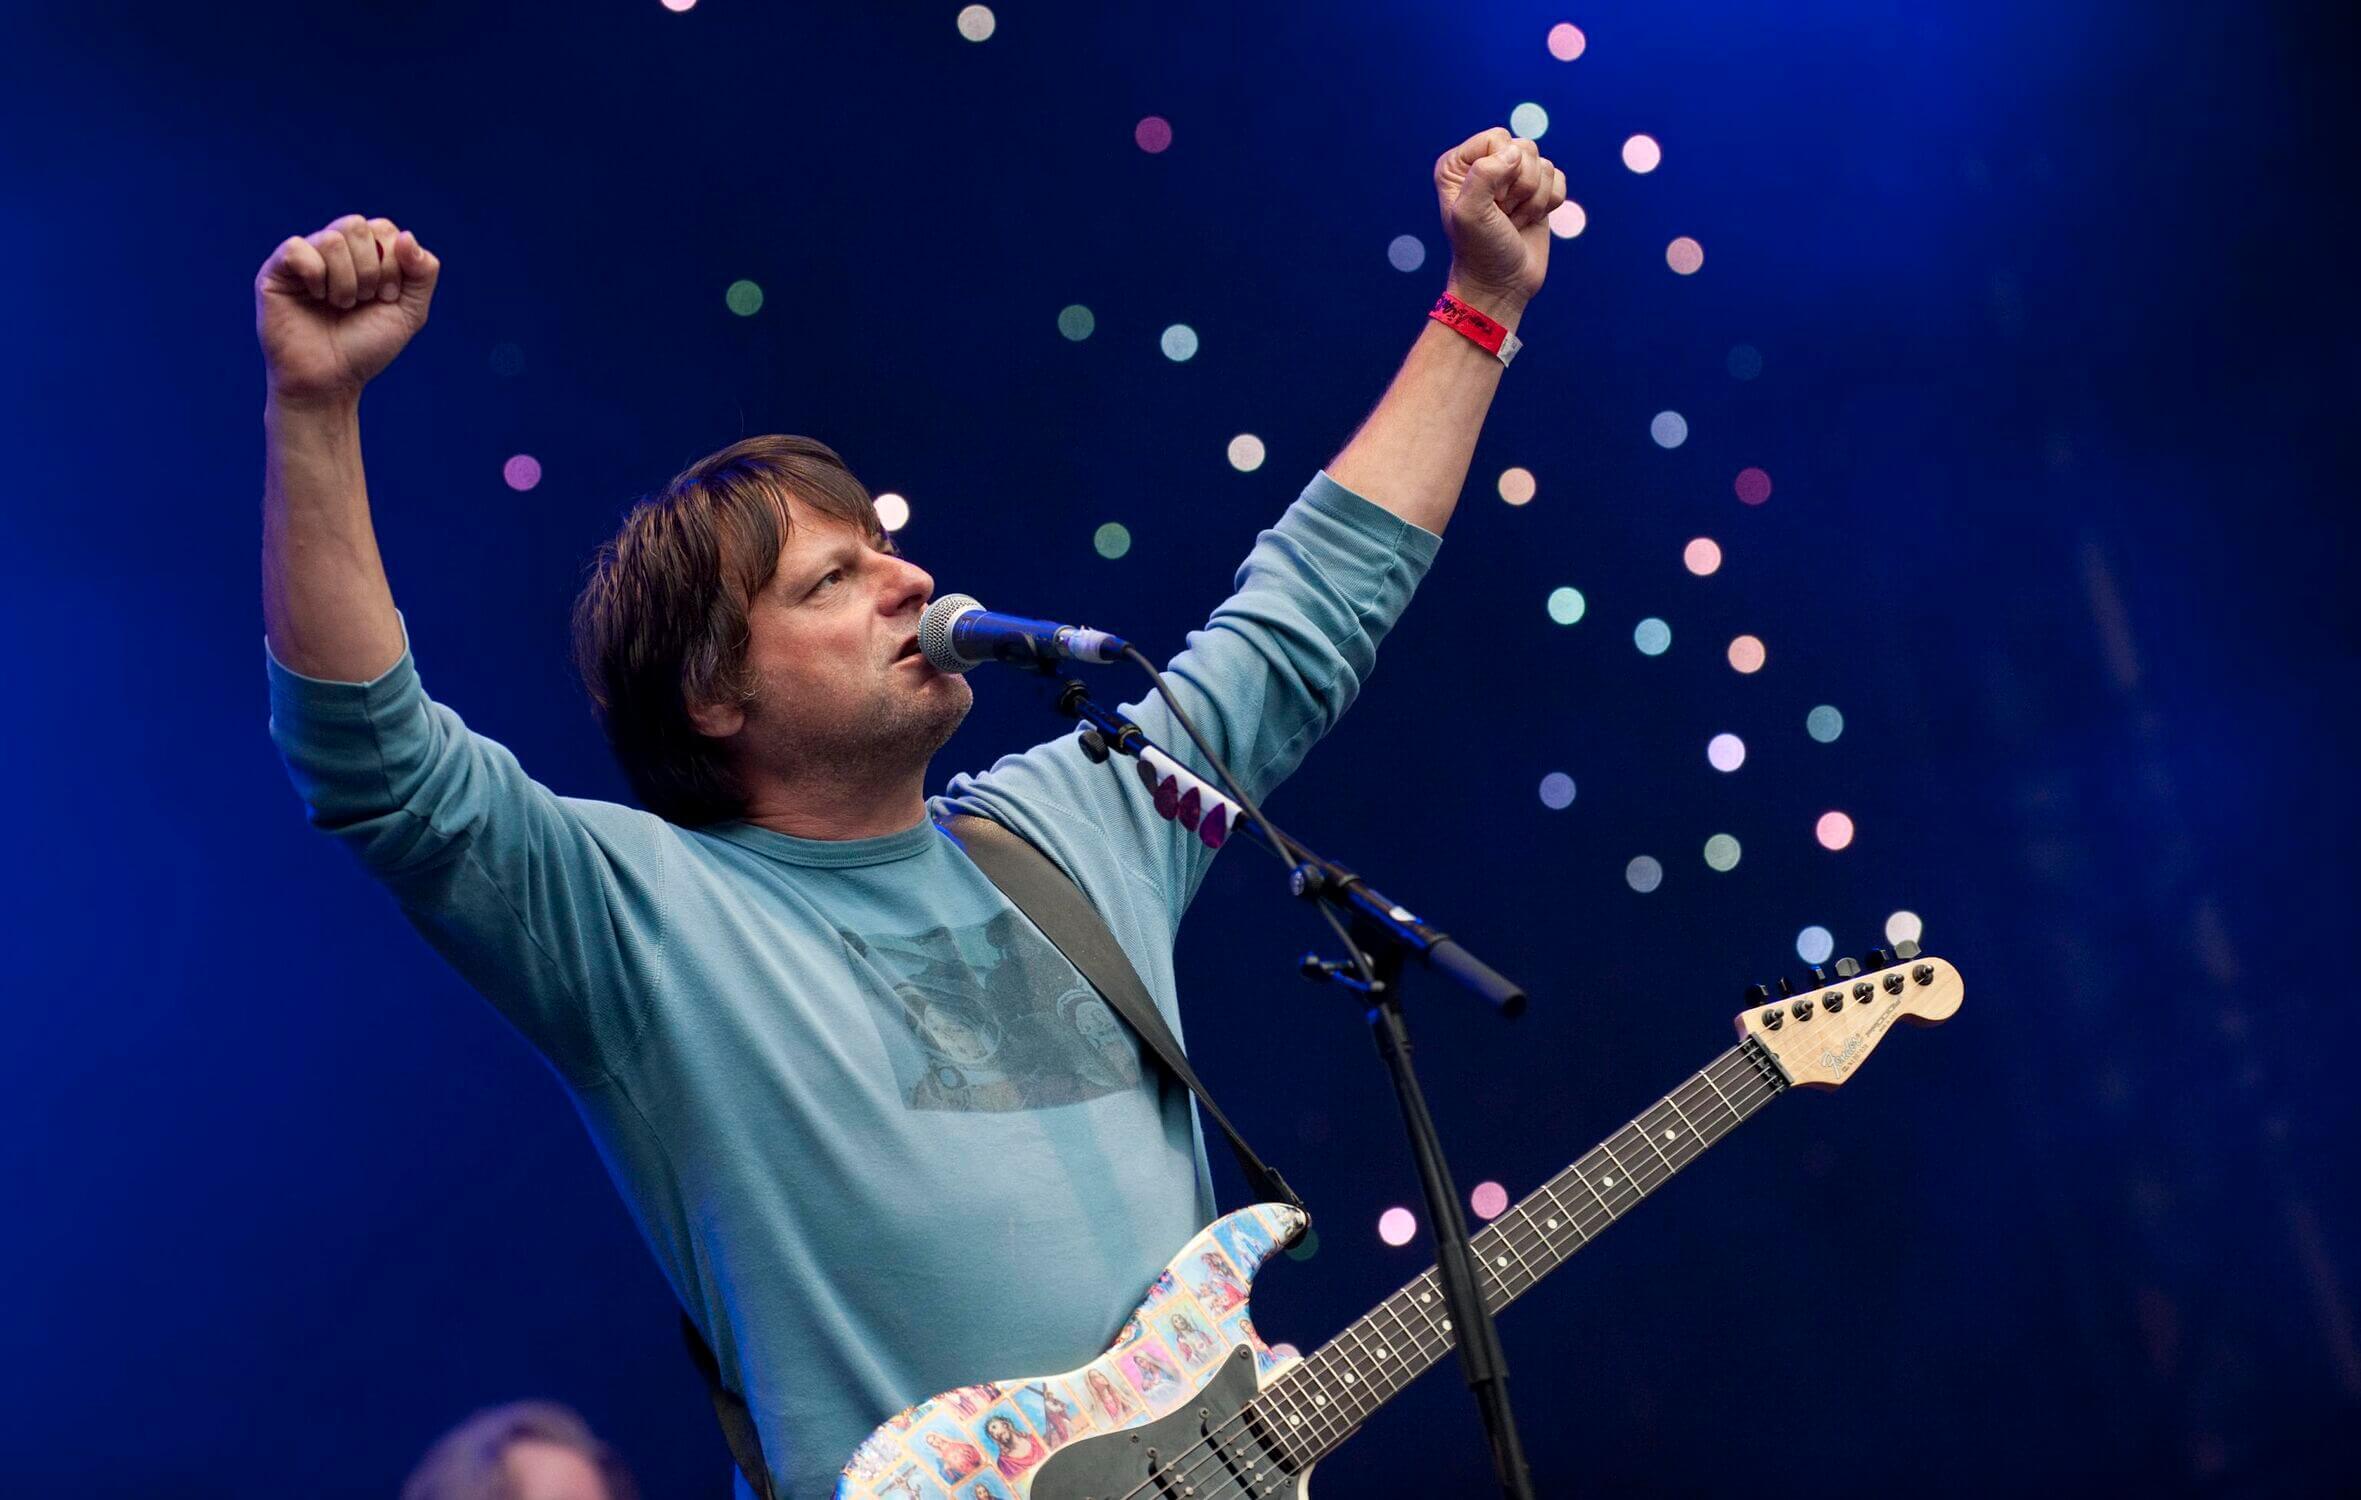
<point>864,1114</point>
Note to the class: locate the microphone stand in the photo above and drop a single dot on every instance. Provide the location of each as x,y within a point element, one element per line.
<point>1384,933</point>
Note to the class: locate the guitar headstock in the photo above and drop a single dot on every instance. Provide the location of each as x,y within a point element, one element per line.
<point>1821,1034</point>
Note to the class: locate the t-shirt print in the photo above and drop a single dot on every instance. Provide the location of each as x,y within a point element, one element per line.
<point>990,1017</point>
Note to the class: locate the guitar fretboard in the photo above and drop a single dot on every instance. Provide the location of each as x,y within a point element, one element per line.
<point>1317,1404</point>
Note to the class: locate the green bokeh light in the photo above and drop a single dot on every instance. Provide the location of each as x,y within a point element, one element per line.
<point>744,298</point>
<point>1824,724</point>
<point>1112,540</point>
<point>1566,605</point>
<point>1721,852</point>
<point>1076,322</point>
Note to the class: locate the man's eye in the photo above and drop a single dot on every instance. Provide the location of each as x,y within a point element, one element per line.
<point>828,577</point>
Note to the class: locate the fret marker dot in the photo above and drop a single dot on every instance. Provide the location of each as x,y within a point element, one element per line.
<point>1319,1401</point>
<point>1553,1223</point>
<point>1426,1296</point>
<point>1350,1377</point>
<point>1446,1325</point>
<point>1500,1260</point>
<point>1383,1352</point>
<point>1606,1182</point>
<point>1293,1420</point>
<point>1668,1132</point>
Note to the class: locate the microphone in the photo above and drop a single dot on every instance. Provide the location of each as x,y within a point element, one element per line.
<point>956,633</point>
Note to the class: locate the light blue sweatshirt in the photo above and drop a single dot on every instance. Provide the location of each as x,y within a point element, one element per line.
<point>881,1136</point>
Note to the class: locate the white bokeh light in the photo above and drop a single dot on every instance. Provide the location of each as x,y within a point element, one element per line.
<point>1814,944</point>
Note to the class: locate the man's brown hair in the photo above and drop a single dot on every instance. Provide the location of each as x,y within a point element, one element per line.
<point>662,623</point>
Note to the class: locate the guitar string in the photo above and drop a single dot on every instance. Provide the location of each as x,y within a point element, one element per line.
<point>1769,1086</point>
<point>1227,1477</point>
<point>1516,1232</point>
<point>1431,1343</point>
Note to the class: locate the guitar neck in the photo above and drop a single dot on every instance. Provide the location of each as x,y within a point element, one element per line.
<point>1316,1404</point>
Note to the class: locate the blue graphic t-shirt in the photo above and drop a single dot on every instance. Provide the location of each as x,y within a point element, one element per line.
<point>880,1135</point>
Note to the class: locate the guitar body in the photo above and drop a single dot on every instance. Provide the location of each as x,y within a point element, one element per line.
<point>1184,1366</point>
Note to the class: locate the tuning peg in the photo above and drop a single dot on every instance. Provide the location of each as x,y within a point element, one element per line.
<point>1786,986</point>
<point>1756,994</point>
<point>1906,950</point>
<point>1878,958</point>
<point>1847,967</point>
<point>1819,975</point>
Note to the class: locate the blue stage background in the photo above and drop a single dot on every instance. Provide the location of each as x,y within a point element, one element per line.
<point>2053,311</point>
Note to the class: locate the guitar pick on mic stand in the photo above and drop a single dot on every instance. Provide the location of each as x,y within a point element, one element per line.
<point>1383,933</point>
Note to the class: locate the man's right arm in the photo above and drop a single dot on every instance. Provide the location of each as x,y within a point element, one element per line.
<point>551,907</point>
<point>326,607</point>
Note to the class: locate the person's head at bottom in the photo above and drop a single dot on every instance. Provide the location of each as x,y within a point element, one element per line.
<point>526,1450</point>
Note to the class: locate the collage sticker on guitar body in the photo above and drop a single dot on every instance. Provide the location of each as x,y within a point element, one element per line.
<point>983,1442</point>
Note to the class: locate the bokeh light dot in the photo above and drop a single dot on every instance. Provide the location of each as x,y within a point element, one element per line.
<point>743,298</point>
<point>1567,220</point>
<point>1721,853</point>
<point>1745,362</point>
<point>522,471</point>
<point>1566,605</point>
<point>1112,540</point>
<point>1725,752</point>
<point>1670,429</point>
<point>1643,874</point>
<point>1397,1226</point>
<point>1753,486</point>
<point>1246,453</point>
<point>1516,485</point>
<point>1642,154</point>
<point>1814,944</point>
<point>976,22</point>
<point>1488,1200</point>
<point>1703,556</point>
<point>1179,342</point>
<point>1824,724</point>
<point>1747,654</point>
<point>1153,133</point>
<point>1076,322</point>
<point>893,512</point>
<point>1684,255</point>
<point>1406,253</point>
<point>1652,636</point>
<point>677,6</point>
<point>1904,927</point>
<point>1557,791</point>
<point>1528,120</point>
<point>1566,41</point>
<point>1834,830</point>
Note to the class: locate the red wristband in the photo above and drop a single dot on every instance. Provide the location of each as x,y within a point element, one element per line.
<point>1458,316</point>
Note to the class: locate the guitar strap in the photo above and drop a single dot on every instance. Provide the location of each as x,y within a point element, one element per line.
<point>1043,892</point>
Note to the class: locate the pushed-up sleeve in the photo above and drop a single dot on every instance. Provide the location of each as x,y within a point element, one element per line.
<point>1273,669</point>
<point>551,907</point>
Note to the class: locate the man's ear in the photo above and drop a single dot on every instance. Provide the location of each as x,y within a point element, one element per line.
<point>717,720</point>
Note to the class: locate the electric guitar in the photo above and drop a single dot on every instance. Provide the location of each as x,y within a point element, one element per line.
<point>1189,1402</point>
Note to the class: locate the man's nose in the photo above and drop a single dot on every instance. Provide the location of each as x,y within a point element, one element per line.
<point>908,582</point>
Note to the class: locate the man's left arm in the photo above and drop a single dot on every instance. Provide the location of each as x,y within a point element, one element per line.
<point>1412,454</point>
<point>1283,657</point>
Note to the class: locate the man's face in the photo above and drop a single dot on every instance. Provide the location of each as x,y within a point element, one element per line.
<point>839,684</point>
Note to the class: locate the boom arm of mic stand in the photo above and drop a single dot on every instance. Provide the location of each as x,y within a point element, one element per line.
<point>1319,879</point>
